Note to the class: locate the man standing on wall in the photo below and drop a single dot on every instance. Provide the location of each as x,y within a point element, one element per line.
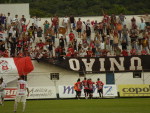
<point>99,85</point>
<point>79,27</point>
<point>22,87</point>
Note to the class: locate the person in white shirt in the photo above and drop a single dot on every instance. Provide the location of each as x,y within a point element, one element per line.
<point>102,45</point>
<point>16,19</point>
<point>65,22</point>
<point>14,34</point>
<point>36,21</point>
<point>22,93</point>
<point>2,91</point>
<point>142,25</point>
<point>9,20</point>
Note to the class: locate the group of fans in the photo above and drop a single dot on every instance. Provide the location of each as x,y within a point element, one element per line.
<point>106,37</point>
<point>88,86</point>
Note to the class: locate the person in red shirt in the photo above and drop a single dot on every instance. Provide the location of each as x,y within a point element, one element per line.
<point>19,44</point>
<point>85,84</point>
<point>78,85</point>
<point>99,85</point>
<point>24,26</point>
<point>144,52</point>
<point>6,54</point>
<point>71,50</point>
<point>89,52</point>
<point>68,54</point>
<point>124,52</point>
<point>104,52</point>
<point>90,86</point>
<point>71,37</point>
<point>133,51</point>
<point>41,44</point>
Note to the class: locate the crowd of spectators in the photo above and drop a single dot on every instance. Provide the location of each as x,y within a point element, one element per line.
<point>73,37</point>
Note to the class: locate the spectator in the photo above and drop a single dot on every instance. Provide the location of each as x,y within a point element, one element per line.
<point>88,34</point>
<point>39,34</point>
<point>65,23</point>
<point>24,26</point>
<point>124,52</point>
<point>117,51</point>
<point>79,27</point>
<point>133,51</point>
<point>23,19</point>
<point>55,24</point>
<point>8,20</point>
<point>3,20</point>
<point>125,32</point>
<point>36,21</point>
<point>46,27</point>
<point>72,22</point>
<point>122,19</point>
<point>124,45</point>
<point>71,37</point>
<point>41,45</point>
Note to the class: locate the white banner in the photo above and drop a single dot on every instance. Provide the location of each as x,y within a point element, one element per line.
<point>67,91</point>
<point>110,91</point>
<point>35,93</point>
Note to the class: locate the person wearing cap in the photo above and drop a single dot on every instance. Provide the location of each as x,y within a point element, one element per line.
<point>99,85</point>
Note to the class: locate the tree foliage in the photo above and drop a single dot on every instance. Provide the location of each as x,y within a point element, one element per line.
<point>46,8</point>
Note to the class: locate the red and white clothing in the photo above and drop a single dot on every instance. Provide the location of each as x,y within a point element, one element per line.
<point>71,36</point>
<point>41,45</point>
<point>21,91</point>
<point>79,86</point>
<point>90,85</point>
<point>24,28</point>
<point>85,84</point>
<point>143,52</point>
<point>99,85</point>
<point>133,52</point>
<point>124,53</point>
<point>22,87</point>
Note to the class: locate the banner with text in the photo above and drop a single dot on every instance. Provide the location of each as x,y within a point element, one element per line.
<point>141,90</point>
<point>67,91</point>
<point>35,93</point>
<point>106,64</point>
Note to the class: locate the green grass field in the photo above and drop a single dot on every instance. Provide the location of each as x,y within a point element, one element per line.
<point>124,105</point>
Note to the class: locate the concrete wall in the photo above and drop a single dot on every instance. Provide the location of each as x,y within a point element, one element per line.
<point>41,76</point>
<point>19,9</point>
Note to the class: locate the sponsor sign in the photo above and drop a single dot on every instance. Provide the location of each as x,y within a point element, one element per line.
<point>35,93</point>
<point>110,91</point>
<point>67,91</point>
<point>141,90</point>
